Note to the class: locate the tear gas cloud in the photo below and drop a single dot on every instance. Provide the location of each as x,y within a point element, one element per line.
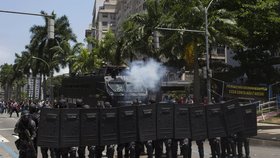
<point>146,74</point>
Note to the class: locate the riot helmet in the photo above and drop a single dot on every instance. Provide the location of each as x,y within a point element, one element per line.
<point>86,106</point>
<point>33,108</point>
<point>107,105</point>
<point>62,103</point>
<point>25,115</point>
<point>79,103</point>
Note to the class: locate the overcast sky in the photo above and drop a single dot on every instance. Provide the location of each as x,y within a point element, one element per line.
<point>14,29</point>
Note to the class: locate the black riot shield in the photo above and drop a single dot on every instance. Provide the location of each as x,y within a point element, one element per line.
<point>108,130</point>
<point>69,127</point>
<point>233,117</point>
<point>215,121</point>
<point>48,130</point>
<point>89,127</point>
<point>250,119</point>
<point>182,121</point>
<point>164,120</point>
<point>146,121</point>
<point>198,122</point>
<point>127,124</point>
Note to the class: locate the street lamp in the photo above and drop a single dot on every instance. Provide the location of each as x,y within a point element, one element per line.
<point>50,75</point>
<point>49,17</point>
<point>207,53</point>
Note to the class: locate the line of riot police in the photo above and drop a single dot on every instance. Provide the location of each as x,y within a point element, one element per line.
<point>132,127</point>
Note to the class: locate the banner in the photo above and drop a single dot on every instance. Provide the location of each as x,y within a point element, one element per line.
<point>234,90</point>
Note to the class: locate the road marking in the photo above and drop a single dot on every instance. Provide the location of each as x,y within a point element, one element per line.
<point>16,136</point>
<point>6,129</point>
<point>9,150</point>
<point>2,139</point>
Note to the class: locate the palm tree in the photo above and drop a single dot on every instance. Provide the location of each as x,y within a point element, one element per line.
<point>85,61</point>
<point>40,46</point>
<point>22,67</point>
<point>6,79</point>
<point>138,33</point>
<point>106,48</point>
<point>70,53</point>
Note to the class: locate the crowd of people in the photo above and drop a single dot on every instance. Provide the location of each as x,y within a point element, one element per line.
<point>13,106</point>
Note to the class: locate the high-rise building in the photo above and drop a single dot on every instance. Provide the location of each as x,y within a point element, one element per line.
<point>30,87</point>
<point>126,8</point>
<point>111,14</point>
<point>104,19</point>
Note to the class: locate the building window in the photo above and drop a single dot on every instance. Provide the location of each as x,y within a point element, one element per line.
<point>105,15</point>
<point>113,24</point>
<point>221,50</point>
<point>104,23</point>
<point>113,17</point>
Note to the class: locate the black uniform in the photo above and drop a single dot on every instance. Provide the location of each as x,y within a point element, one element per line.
<point>100,148</point>
<point>36,117</point>
<point>63,152</point>
<point>81,149</point>
<point>215,147</point>
<point>242,141</point>
<point>26,129</point>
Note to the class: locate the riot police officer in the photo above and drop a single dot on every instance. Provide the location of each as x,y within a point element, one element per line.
<point>44,150</point>
<point>215,147</point>
<point>63,152</point>
<point>81,149</point>
<point>184,146</point>
<point>228,147</point>
<point>100,148</point>
<point>200,147</point>
<point>110,148</point>
<point>35,116</point>
<point>130,148</point>
<point>242,141</point>
<point>26,129</point>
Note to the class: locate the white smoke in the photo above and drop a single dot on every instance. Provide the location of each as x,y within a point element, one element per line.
<point>146,74</point>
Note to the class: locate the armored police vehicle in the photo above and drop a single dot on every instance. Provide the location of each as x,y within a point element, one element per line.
<point>107,84</point>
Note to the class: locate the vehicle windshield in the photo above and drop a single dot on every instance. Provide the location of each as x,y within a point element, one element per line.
<point>135,88</point>
<point>121,87</point>
<point>117,86</point>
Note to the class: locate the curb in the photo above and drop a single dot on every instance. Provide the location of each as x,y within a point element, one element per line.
<point>264,142</point>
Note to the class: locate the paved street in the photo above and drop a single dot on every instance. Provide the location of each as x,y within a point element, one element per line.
<point>259,148</point>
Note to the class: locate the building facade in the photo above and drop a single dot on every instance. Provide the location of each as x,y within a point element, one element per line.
<point>104,19</point>
<point>126,8</point>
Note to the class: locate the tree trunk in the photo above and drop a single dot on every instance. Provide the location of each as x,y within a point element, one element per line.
<point>17,95</point>
<point>6,93</point>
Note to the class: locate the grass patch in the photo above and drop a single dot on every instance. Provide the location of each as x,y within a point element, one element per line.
<point>273,120</point>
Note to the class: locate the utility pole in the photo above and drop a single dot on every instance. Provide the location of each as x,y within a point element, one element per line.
<point>156,33</point>
<point>207,54</point>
